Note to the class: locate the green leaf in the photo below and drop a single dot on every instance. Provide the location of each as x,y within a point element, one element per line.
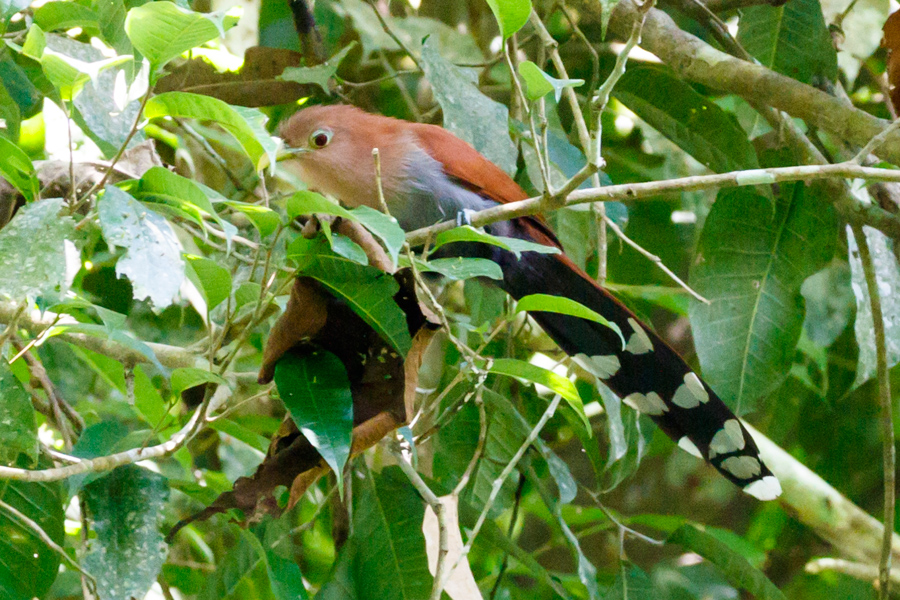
<point>246,293</point>
<point>214,279</point>
<point>457,441</point>
<point>237,566</point>
<point>152,260</point>
<point>65,15</point>
<point>162,30</point>
<point>621,466</point>
<point>187,377</point>
<point>829,301</point>
<point>242,433</point>
<point>148,401</point>
<point>565,306</point>
<point>739,573</point>
<point>284,573</point>
<point>538,84</point>
<point>17,169</point>
<point>511,15</point>
<point>320,75</point>
<point>10,116</point>
<point>751,262</point>
<point>460,268</point>
<point>18,431</point>
<point>694,123</point>
<point>68,73</point>
<point>368,291</point>
<point>587,572</point>
<point>387,529</point>
<point>315,390</point>
<point>631,584</point>
<point>384,227</point>
<point>535,374</point>
<point>468,113</point>
<point>264,219</point>
<point>792,39</point>
<point>111,16</point>
<point>35,241</point>
<point>252,138</point>
<point>344,246</point>
<point>28,566</point>
<point>310,203</point>
<point>126,507</point>
<point>159,183</point>
<point>467,233</point>
<point>887,274</point>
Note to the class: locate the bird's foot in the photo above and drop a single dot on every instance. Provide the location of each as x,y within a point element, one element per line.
<point>464,217</point>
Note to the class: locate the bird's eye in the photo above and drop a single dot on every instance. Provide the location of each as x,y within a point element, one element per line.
<point>320,138</point>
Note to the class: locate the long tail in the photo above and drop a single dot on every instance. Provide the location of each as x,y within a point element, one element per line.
<point>647,373</point>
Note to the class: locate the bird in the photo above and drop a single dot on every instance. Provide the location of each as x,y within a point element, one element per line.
<point>428,175</point>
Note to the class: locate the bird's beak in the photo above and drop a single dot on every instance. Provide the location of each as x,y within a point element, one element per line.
<point>287,153</point>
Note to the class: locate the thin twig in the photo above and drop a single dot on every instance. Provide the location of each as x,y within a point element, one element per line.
<point>39,531</point>
<point>441,574</point>
<point>393,36</point>
<point>857,570</point>
<point>887,422</point>
<point>655,260</point>
<point>501,479</point>
<point>876,142</point>
<point>131,133</point>
<point>11,326</point>
<point>482,438</point>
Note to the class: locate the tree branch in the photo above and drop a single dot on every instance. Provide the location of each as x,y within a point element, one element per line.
<point>864,214</point>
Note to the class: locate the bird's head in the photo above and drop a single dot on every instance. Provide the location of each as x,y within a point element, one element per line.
<point>330,149</point>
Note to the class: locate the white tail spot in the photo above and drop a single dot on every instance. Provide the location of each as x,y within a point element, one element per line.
<point>649,404</point>
<point>766,488</point>
<point>690,447</point>
<point>639,342</point>
<point>728,439</point>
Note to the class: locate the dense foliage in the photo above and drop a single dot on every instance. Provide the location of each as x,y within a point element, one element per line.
<point>149,240</point>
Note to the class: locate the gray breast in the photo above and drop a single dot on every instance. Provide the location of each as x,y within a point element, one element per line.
<point>427,196</point>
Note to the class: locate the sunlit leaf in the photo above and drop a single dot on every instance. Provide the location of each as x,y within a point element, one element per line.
<point>162,30</point>
<point>511,15</point>
<point>152,260</point>
<point>252,138</point>
<point>538,84</point>
<point>214,279</point>
<point>565,306</point>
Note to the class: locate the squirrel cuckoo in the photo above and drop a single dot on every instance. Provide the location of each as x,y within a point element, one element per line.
<point>428,176</point>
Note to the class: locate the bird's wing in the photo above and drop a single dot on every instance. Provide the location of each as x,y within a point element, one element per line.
<point>473,171</point>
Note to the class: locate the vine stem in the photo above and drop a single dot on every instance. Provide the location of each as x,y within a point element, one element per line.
<point>887,423</point>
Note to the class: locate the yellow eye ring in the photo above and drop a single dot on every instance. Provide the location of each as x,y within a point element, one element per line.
<point>320,138</point>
